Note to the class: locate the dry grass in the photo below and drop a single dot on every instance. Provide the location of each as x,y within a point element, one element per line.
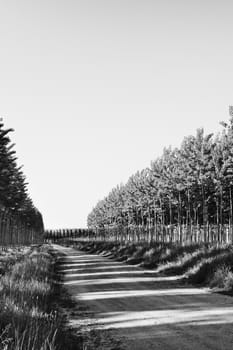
<point>213,270</point>
<point>188,260</point>
<point>200,264</point>
<point>27,322</point>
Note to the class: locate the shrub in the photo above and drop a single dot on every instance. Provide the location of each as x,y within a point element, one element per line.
<point>222,278</point>
<point>219,276</point>
<point>203,272</point>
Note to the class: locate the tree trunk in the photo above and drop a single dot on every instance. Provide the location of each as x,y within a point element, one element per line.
<point>179,219</point>
<point>231,214</point>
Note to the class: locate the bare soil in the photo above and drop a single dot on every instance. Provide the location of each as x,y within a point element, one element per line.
<point>127,307</point>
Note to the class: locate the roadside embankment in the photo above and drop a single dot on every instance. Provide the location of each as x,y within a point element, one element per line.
<point>205,265</point>
<point>27,320</point>
<point>31,316</point>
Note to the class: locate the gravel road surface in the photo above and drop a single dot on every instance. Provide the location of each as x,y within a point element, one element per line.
<point>142,309</point>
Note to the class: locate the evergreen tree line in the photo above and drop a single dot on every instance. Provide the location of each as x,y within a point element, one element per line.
<point>63,234</point>
<point>185,195</point>
<point>20,221</point>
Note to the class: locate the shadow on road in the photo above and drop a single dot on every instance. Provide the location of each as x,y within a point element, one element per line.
<point>145,310</point>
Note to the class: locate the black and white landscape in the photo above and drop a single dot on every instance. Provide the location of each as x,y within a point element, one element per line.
<point>116,175</point>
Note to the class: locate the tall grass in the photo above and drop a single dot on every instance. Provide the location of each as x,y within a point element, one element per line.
<point>201,264</point>
<point>27,321</point>
<point>209,270</point>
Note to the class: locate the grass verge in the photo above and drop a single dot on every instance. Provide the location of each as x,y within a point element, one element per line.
<point>31,316</point>
<point>27,320</point>
<point>203,265</point>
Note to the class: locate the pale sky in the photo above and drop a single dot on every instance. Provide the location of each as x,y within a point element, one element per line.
<point>96,88</point>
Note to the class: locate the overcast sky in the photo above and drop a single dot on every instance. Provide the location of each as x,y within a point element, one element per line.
<point>95,89</point>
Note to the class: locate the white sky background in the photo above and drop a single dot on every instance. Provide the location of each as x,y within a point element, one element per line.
<point>95,89</point>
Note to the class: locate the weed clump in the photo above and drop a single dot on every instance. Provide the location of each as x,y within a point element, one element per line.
<point>214,271</point>
<point>222,277</point>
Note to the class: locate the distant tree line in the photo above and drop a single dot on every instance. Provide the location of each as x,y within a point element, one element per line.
<point>20,221</point>
<point>64,234</point>
<point>186,188</point>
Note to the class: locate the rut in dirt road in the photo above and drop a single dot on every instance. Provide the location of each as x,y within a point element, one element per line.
<point>143,310</point>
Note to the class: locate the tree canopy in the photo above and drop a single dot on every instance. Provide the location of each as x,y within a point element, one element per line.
<point>14,197</point>
<point>190,185</point>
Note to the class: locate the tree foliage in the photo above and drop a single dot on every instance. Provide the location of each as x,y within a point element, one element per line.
<point>190,185</point>
<point>14,198</point>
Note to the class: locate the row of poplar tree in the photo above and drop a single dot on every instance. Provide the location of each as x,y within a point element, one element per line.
<point>18,215</point>
<point>190,185</point>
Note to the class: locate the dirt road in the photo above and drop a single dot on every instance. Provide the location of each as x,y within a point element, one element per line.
<point>145,311</point>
